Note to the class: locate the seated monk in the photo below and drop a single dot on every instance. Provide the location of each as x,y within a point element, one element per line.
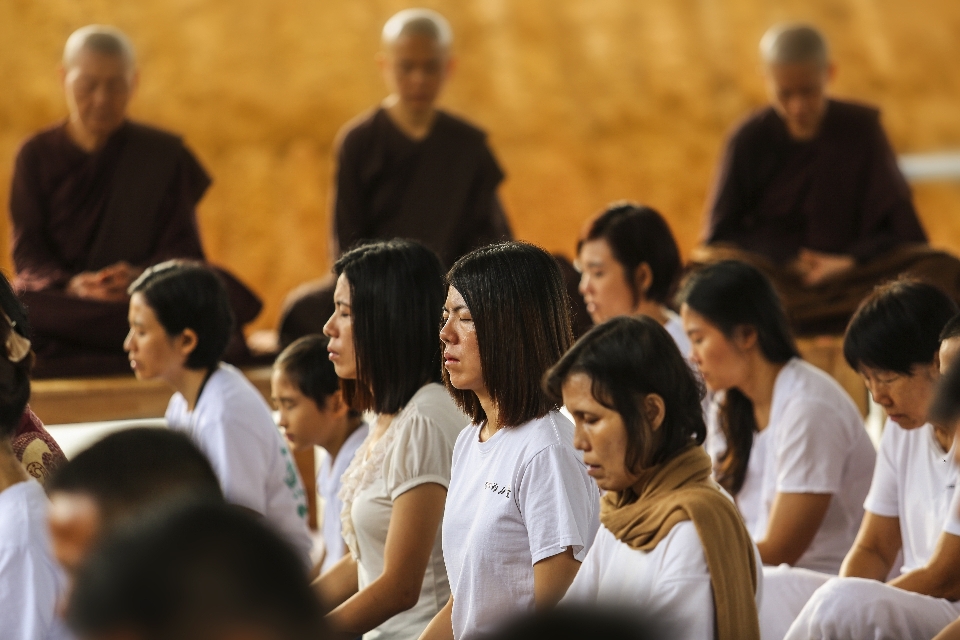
<point>94,201</point>
<point>810,192</point>
<point>407,169</point>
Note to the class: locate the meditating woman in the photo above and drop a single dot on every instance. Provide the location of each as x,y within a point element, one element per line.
<point>180,324</point>
<point>629,265</point>
<point>672,544</point>
<point>786,439</point>
<point>384,347</point>
<point>30,580</point>
<point>521,512</point>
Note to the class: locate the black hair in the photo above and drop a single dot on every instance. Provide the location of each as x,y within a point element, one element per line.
<point>732,295</point>
<point>131,471</point>
<point>945,408</point>
<point>14,376</point>
<point>583,621</point>
<point>187,295</point>
<point>626,359</point>
<point>897,327</point>
<point>521,312</point>
<point>637,234</point>
<point>194,572</point>
<point>951,329</point>
<point>396,300</point>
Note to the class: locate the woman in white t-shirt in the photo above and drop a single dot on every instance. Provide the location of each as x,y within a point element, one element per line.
<point>672,544</point>
<point>521,511</point>
<point>383,345</point>
<point>180,324</point>
<point>30,580</point>
<point>786,439</point>
<point>629,264</point>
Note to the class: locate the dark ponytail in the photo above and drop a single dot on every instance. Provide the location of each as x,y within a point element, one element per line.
<point>14,376</point>
<point>730,295</point>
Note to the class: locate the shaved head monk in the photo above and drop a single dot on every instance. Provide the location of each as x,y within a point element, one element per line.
<point>94,201</point>
<point>810,191</point>
<point>408,169</point>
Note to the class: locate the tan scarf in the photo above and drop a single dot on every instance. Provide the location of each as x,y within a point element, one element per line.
<point>679,490</point>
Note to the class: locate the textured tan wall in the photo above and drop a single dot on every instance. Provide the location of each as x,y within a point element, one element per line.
<point>586,101</point>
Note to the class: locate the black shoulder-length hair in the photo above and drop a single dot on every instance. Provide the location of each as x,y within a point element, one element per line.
<point>638,234</point>
<point>188,295</point>
<point>521,312</point>
<point>732,295</point>
<point>897,326</point>
<point>396,300</point>
<point>626,359</point>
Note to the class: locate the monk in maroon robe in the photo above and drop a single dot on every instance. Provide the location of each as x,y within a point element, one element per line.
<point>809,190</point>
<point>94,201</point>
<point>408,169</point>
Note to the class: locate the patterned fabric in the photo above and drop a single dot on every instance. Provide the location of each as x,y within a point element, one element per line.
<point>36,449</point>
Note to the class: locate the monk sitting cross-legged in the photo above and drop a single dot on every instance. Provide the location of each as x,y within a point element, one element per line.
<point>810,192</point>
<point>94,201</point>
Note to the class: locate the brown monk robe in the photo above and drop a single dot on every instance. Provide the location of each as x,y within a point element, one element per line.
<point>810,192</point>
<point>407,169</point>
<point>94,202</point>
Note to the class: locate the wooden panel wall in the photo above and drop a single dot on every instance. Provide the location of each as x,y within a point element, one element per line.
<point>586,101</point>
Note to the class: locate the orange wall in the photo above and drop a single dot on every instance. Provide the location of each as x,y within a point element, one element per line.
<point>586,101</point>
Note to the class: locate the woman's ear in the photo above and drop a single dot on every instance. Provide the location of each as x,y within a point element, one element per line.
<point>654,410</point>
<point>643,280</point>
<point>186,343</point>
<point>336,405</point>
<point>745,337</point>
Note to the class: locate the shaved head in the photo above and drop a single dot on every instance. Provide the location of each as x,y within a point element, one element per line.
<point>102,39</point>
<point>792,43</point>
<point>418,22</point>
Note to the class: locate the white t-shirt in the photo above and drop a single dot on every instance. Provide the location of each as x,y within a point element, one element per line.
<point>521,496</point>
<point>670,583</point>
<point>675,328</point>
<point>815,442</point>
<point>914,481</point>
<point>232,424</point>
<point>415,450</point>
<point>31,581</point>
<point>328,483</point>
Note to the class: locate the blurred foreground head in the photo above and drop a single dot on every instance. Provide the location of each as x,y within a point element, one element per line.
<point>203,571</point>
<point>582,622</point>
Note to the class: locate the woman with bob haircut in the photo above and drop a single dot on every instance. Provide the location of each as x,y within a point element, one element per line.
<point>180,324</point>
<point>629,264</point>
<point>383,345</point>
<point>893,341</point>
<point>671,542</point>
<point>521,512</point>
<point>786,439</point>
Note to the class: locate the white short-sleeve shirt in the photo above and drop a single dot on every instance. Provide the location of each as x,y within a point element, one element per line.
<point>815,442</point>
<point>416,449</point>
<point>671,583</point>
<point>521,496</point>
<point>328,484</point>
<point>232,424</point>
<point>31,581</point>
<point>914,481</point>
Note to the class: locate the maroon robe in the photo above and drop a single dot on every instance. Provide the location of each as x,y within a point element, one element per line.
<point>440,191</point>
<point>35,448</point>
<point>72,211</point>
<point>840,193</point>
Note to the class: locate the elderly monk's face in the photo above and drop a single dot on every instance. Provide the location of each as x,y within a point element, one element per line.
<point>415,69</point>
<point>339,329</point>
<point>798,92</point>
<point>98,88</point>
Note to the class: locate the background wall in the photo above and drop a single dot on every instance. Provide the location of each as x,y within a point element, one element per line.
<point>586,101</point>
